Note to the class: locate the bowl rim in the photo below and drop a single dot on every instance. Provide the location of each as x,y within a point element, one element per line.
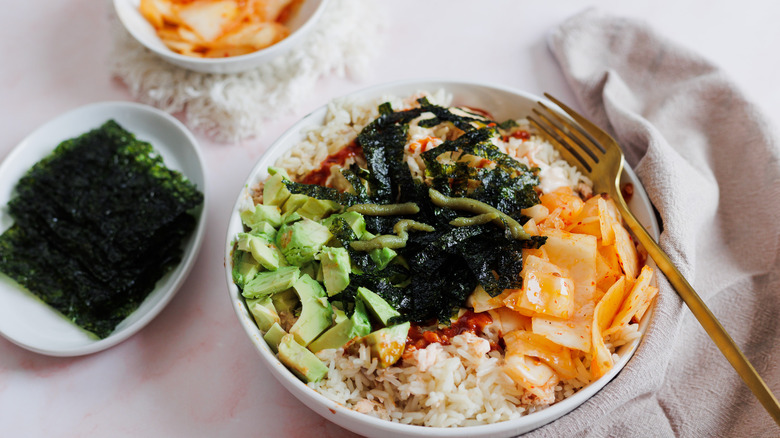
<point>347,417</point>
<point>270,51</point>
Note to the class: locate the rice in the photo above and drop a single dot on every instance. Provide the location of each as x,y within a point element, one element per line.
<point>344,120</point>
<point>441,385</point>
<point>463,383</point>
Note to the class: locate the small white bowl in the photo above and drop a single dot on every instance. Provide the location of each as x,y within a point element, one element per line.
<point>503,103</point>
<point>300,24</point>
<point>26,320</point>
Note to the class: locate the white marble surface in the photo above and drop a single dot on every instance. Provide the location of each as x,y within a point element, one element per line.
<point>192,371</point>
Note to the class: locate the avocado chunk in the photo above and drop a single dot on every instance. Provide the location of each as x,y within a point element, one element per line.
<point>312,269</point>
<point>274,336</point>
<point>338,314</point>
<point>245,267</point>
<point>287,304</point>
<point>262,309</point>
<point>253,218</point>
<point>355,220</point>
<point>290,217</point>
<point>319,276</point>
<point>378,307</point>
<point>387,344</point>
<point>335,269</point>
<point>262,249</point>
<point>316,209</point>
<point>356,326</point>
<point>263,228</point>
<point>275,192</point>
<point>301,241</point>
<point>273,170</point>
<point>271,282</point>
<point>302,362</point>
<point>285,301</point>
<point>316,312</point>
<point>382,256</point>
<point>294,202</point>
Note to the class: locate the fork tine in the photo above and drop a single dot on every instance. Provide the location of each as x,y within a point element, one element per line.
<point>568,150</point>
<point>586,142</point>
<point>589,129</point>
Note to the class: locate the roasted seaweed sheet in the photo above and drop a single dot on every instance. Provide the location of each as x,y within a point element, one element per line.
<point>441,268</point>
<point>97,223</point>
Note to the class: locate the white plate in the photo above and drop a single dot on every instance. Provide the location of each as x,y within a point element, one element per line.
<point>503,103</point>
<point>26,320</point>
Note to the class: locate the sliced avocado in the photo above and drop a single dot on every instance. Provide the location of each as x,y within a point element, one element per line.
<point>273,170</point>
<point>245,267</point>
<point>355,220</point>
<point>319,275</point>
<point>316,314</point>
<point>274,336</point>
<point>302,240</point>
<point>275,192</point>
<point>302,362</point>
<point>387,344</point>
<point>253,218</point>
<point>265,229</point>
<point>262,309</point>
<point>262,249</point>
<point>294,202</point>
<point>382,256</point>
<point>336,267</point>
<point>344,331</point>
<point>377,306</point>
<point>270,282</point>
<point>285,301</point>
<point>311,268</point>
<point>290,217</point>
<point>338,314</point>
<point>334,337</point>
<point>316,209</point>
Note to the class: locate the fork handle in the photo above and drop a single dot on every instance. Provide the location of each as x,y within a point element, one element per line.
<point>705,317</point>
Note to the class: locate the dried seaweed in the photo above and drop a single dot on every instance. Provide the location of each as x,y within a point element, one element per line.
<point>436,271</point>
<point>97,223</point>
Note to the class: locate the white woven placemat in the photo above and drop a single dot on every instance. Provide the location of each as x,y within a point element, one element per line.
<point>233,107</point>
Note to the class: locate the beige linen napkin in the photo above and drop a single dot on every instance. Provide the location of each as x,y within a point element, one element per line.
<point>709,161</point>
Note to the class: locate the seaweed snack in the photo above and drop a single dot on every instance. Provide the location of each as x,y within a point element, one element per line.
<point>97,223</point>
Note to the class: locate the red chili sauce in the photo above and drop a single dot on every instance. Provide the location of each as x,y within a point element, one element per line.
<point>479,111</point>
<point>522,134</point>
<point>627,191</point>
<point>468,322</point>
<point>320,176</point>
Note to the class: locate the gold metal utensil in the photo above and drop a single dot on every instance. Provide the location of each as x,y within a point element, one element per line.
<point>599,156</point>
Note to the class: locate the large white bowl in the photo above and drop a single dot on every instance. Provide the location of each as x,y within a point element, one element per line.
<point>503,103</point>
<point>300,24</point>
<point>26,320</point>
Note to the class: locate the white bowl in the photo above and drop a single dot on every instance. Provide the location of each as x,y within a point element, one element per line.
<point>503,103</point>
<point>26,320</point>
<point>300,24</point>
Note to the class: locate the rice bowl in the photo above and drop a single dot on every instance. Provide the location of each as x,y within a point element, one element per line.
<point>503,104</point>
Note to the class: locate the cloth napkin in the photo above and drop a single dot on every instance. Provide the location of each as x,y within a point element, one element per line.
<point>709,161</point>
<point>234,107</point>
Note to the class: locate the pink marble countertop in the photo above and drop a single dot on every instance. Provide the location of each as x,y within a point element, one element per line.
<point>192,371</point>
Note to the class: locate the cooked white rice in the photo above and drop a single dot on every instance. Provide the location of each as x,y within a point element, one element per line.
<point>463,383</point>
<point>346,117</point>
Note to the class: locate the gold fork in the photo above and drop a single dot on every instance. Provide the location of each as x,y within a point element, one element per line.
<point>599,156</point>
